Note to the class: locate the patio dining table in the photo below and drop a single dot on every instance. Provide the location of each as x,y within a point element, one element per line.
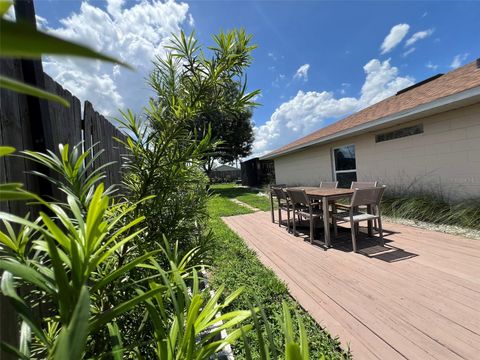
<point>327,196</point>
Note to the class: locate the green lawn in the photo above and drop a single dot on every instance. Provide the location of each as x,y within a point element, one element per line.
<point>246,195</point>
<point>235,265</point>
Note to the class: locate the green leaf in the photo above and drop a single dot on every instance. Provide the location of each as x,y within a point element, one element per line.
<point>8,289</point>
<point>20,39</point>
<point>25,339</point>
<point>14,85</point>
<point>116,340</point>
<point>6,150</point>
<point>122,270</point>
<point>292,352</point>
<point>101,319</point>
<point>26,273</point>
<point>4,6</point>
<point>11,350</point>
<point>303,338</point>
<point>71,342</point>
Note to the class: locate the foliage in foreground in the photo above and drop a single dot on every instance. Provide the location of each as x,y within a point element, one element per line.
<point>235,265</point>
<point>23,40</point>
<point>69,257</point>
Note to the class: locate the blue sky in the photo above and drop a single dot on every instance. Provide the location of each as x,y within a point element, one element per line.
<point>315,63</point>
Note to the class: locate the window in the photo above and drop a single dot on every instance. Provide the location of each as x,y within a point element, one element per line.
<point>400,133</point>
<point>344,164</point>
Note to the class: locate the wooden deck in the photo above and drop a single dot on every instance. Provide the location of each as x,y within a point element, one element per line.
<point>417,298</point>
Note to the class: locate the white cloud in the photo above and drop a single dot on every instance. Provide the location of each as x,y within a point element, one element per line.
<point>191,20</point>
<point>279,79</point>
<point>308,111</point>
<point>272,56</point>
<point>114,7</point>
<point>302,72</point>
<point>431,66</point>
<point>458,60</point>
<point>420,35</point>
<point>42,23</point>
<point>396,35</point>
<point>134,34</point>
<point>408,52</point>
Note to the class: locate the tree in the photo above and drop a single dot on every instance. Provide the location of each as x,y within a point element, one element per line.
<point>209,93</point>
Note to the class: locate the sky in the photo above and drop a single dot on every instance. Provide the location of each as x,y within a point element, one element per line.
<point>316,62</point>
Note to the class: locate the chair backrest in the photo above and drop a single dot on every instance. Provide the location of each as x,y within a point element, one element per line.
<point>278,186</point>
<point>367,196</point>
<point>279,193</point>
<point>298,196</point>
<point>329,184</point>
<point>363,184</point>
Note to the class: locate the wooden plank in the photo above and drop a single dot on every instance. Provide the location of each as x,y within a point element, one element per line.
<point>13,127</point>
<point>423,306</point>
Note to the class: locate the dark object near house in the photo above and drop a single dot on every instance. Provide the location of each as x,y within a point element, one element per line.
<point>224,173</point>
<point>256,172</point>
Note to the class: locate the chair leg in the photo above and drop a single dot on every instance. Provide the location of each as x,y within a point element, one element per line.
<point>288,219</point>
<point>335,228</point>
<point>279,216</point>
<point>311,229</point>
<point>380,232</point>
<point>354,236</point>
<point>294,223</point>
<point>272,208</point>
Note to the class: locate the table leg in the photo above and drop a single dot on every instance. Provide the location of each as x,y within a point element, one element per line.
<point>326,222</point>
<point>271,207</point>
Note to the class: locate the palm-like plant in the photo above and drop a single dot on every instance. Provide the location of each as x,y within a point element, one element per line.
<point>71,243</point>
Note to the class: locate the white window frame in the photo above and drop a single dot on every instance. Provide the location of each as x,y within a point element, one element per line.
<point>334,165</point>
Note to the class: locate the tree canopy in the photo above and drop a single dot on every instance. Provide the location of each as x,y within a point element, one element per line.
<point>209,92</point>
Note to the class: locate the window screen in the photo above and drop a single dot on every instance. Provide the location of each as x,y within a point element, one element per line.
<point>400,133</point>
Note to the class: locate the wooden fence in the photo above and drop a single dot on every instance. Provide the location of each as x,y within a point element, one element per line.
<point>22,118</point>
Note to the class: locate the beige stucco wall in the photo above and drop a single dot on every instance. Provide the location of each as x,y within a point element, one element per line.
<point>445,158</point>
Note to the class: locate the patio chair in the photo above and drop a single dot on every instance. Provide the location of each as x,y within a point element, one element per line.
<point>363,184</point>
<point>329,184</point>
<point>272,195</point>
<point>283,204</point>
<point>358,185</point>
<point>304,207</point>
<point>370,197</point>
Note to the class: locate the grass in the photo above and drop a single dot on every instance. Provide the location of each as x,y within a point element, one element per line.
<point>235,265</point>
<point>432,209</point>
<point>246,195</point>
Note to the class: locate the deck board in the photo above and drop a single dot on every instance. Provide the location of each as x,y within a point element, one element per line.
<point>417,298</point>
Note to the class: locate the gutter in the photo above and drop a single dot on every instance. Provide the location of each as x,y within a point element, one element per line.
<point>405,115</point>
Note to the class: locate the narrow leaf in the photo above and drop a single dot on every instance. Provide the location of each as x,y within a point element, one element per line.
<point>22,88</point>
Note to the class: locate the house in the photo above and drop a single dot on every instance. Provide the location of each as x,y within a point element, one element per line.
<point>225,173</point>
<point>256,172</point>
<point>424,138</point>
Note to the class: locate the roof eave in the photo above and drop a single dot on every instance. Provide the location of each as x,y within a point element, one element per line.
<point>463,98</point>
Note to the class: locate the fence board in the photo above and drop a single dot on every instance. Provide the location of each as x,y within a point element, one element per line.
<point>68,127</point>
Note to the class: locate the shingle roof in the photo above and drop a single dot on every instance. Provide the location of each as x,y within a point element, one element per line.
<point>456,81</point>
<point>225,167</point>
